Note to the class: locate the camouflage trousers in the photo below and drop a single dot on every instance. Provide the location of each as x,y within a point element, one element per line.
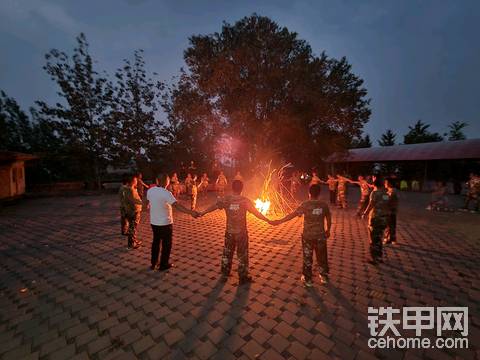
<point>391,230</point>
<point>362,205</point>
<point>133,221</point>
<point>319,246</point>
<point>240,242</point>
<point>472,196</point>
<point>376,229</point>
<point>342,199</point>
<point>193,201</point>
<point>123,222</point>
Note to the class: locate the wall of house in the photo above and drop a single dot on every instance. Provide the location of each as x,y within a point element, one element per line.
<point>12,179</point>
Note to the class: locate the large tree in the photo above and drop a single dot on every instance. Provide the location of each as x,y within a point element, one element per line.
<point>419,133</point>
<point>15,126</point>
<point>190,130</point>
<point>136,103</point>
<point>456,131</point>
<point>84,115</point>
<point>268,91</point>
<point>387,139</point>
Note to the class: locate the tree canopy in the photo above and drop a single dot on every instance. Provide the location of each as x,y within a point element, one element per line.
<point>456,131</point>
<point>262,85</point>
<point>387,139</point>
<point>418,133</point>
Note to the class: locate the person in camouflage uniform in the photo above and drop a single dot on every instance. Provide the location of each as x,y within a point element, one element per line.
<point>365,189</point>
<point>132,203</point>
<point>316,230</point>
<point>342,192</point>
<point>473,193</point>
<point>315,180</point>
<point>123,210</point>
<point>391,230</point>
<point>236,235</point>
<point>377,210</point>
<point>193,193</point>
<point>332,188</point>
<point>221,183</point>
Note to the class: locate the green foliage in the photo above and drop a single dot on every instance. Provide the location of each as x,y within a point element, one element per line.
<point>361,142</point>
<point>267,89</point>
<point>83,119</point>
<point>136,102</point>
<point>15,127</point>
<point>387,139</point>
<point>419,134</point>
<point>456,131</point>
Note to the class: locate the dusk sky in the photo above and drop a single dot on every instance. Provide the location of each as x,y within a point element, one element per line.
<point>419,59</point>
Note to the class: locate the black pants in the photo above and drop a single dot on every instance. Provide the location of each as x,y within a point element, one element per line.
<point>333,197</point>
<point>161,234</point>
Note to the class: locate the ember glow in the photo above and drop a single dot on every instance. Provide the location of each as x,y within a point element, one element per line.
<point>262,205</point>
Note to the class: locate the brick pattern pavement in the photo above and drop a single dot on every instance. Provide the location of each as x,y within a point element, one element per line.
<point>70,290</point>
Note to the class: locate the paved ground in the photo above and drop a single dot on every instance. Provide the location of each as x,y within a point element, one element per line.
<point>69,289</point>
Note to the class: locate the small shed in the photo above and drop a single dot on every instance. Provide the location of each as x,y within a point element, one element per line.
<point>12,173</point>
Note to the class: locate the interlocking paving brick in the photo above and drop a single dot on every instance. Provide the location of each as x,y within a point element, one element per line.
<point>253,349</point>
<point>88,297</point>
<point>63,354</point>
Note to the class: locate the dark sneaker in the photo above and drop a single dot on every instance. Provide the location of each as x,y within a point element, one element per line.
<point>306,282</point>
<point>245,280</point>
<point>164,268</point>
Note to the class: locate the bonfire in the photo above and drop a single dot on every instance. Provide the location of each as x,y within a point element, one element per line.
<point>275,198</point>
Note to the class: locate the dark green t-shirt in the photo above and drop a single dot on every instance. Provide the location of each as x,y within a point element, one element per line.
<point>380,202</point>
<point>236,207</point>
<point>314,212</point>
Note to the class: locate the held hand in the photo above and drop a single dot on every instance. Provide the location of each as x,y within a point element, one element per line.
<point>327,234</point>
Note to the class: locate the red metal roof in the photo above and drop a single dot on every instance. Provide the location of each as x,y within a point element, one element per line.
<point>443,150</point>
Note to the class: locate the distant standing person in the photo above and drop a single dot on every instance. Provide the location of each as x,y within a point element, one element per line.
<point>315,179</point>
<point>133,208</point>
<point>203,187</point>
<point>236,234</point>
<point>160,202</point>
<point>377,210</point>
<point>473,192</point>
<point>342,192</point>
<point>175,185</point>
<point>193,193</point>
<point>316,230</point>
<point>391,230</point>
<point>141,186</point>
<point>365,189</point>
<point>221,183</point>
<point>332,189</point>
<point>123,210</point>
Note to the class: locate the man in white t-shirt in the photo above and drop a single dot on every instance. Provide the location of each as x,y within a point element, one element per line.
<point>160,201</point>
